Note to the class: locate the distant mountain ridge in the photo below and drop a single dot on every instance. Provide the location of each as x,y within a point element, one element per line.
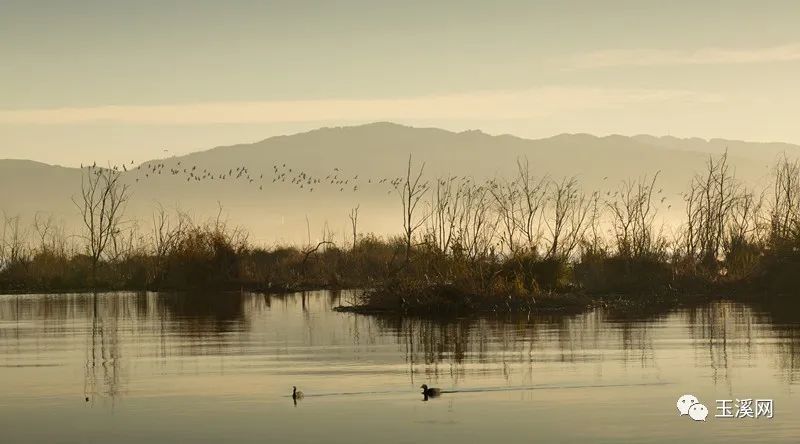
<point>277,211</point>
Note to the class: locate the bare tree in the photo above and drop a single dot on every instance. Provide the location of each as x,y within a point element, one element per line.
<point>446,208</point>
<point>126,243</point>
<point>166,233</point>
<point>709,203</point>
<point>411,190</point>
<point>594,243</point>
<point>633,213</point>
<point>784,221</point>
<point>101,203</point>
<point>567,219</point>
<point>746,222</point>
<point>534,197</point>
<point>507,205</point>
<point>13,242</point>
<point>476,227</point>
<point>354,225</point>
<point>308,250</point>
<point>44,227</point>
<point>166,236</point>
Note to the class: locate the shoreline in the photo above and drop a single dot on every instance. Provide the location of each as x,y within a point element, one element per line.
<point>566,303</point>
<point>619,304</point>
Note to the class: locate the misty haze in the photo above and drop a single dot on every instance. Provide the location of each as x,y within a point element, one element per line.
<point>358,222</point>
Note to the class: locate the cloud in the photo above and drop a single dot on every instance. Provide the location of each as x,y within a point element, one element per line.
<point>492,105</point>
<point>703,56</point>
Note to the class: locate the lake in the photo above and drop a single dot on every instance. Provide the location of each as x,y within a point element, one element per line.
<point>220,368</point>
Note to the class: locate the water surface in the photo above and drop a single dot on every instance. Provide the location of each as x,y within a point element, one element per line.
<point>220,368</point>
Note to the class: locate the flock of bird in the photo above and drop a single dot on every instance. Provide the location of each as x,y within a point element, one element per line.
<point>335,179</point>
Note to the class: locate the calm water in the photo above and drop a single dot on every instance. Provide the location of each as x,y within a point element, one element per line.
<point>169,368</point>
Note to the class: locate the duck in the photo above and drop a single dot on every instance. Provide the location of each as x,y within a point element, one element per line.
<point>296,394</point>
<point>430,391</point>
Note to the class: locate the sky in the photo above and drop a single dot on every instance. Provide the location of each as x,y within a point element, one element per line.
<point>115,81</point>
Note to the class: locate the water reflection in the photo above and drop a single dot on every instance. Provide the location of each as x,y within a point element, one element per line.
<point>127,340</point>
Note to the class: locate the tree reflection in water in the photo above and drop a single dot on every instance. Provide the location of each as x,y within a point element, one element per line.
<point>125,337</point>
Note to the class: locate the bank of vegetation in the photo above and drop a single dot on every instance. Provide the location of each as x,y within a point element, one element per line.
<point>507,244</point>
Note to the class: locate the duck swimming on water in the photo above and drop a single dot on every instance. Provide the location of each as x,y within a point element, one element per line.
<point>430,391</point>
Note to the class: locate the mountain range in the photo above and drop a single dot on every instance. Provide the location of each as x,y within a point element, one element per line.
<point>256,191</point>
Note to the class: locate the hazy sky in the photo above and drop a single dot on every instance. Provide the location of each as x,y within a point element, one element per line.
<point>114,80</point>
